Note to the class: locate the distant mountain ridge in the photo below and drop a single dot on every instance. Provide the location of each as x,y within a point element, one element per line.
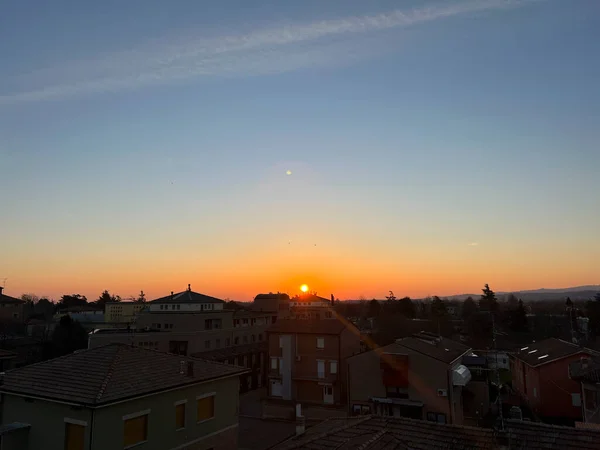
<point>575,293</point>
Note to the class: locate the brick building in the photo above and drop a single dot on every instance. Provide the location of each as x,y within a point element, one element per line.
<point>540,374</point>
<point>307,360</point>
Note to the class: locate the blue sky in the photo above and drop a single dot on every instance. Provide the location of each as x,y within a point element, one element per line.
<point>461,136</point>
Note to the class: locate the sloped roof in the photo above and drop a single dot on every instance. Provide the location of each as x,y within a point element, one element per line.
<point>187,297</point>
<point>106,374</point>
<point>372,432</point>
<point>7,299</point>
<point>377,433</point>
<point>221,354</point>
<point>311,326</point>
<point>278,296</point>
<point>548,350</point>
<point>445,350</point>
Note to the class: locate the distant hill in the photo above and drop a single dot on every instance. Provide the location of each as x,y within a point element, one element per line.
<point>575,293</point>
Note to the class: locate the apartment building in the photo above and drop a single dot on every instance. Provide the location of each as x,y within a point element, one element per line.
<point>420,377</point>
<point>11,308</point>
<point>120,397</point>
<point>307,360</point>
<point>540,374</point>
<point>122,312</point>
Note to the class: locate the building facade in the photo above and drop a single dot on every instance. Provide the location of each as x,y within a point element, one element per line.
<point>11,308</point>
<point>420,377</point>
<point>307,360</point>
<point>120,397</point>
<point>122,312</point>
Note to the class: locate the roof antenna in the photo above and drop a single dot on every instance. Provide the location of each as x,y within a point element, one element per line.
<point>189,287</point>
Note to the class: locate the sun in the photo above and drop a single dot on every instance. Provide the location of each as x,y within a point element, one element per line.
<point>304,288</point>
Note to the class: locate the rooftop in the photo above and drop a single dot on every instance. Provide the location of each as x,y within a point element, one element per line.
<point>371,432</point>
<point>312,326</point>
<point>271,296</point>
<point>548,350</point>
<point>187,296</point>
<point>114,372</point>
<point>6,299</point>
<point>440,348</point>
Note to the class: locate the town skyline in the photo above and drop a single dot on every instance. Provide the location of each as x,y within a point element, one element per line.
<point>428,147</point>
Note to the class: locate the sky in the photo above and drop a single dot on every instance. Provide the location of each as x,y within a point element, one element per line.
<point>424,147</point>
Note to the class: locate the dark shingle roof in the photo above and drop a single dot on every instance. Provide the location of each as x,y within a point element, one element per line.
<point>378,433</point>
<point>6,299</point>
<point>535,353</point>
<point>187,297</point>
<point>445,350</point>
<point>106,374</point>
<point>311,326</point>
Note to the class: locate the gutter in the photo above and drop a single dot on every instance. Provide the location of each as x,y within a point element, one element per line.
<point>91,430</point>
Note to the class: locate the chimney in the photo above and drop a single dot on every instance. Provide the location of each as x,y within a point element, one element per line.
<point>190,368</point>
<point>189,287</point>
<point>1,289</point>
<point>171,295</point>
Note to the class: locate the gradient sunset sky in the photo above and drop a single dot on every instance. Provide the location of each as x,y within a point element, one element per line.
<point>433,146</point>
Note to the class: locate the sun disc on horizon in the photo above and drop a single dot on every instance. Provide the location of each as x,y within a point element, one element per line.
<point>304,288</point>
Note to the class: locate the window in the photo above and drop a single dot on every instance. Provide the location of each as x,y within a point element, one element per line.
<point>206,344</point>
<point>280,341</point>
<point>218,343</point>
<point>259,337</point>
<point>178,307</point>
<point>245,339</point>
<point>253,338</point>
<point>158,325</point>
<point>180,415</point>
<point>236,340</point>
<point>135,429</point>
<point>205,408</point>
<point>576,399</point>
<point>320,342</point>
<point>333,366</point>
<point>208,324</point>
<point>74,435</point>
<point>436,417</point>
<point>274,363</point>
<point>244,321</point>
<point>328,314</point>
<point>227,342</point>
<point>162,306</point>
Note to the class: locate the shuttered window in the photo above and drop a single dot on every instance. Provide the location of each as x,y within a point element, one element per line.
<point>206,408</point>
<point>180,416</point>
<point>135,430</point>
<point>74,436</point>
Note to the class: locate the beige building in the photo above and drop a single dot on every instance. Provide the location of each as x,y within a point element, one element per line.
<point>122,312</point>
<point>171,325</point>
<point>420,377</point>
<point>121,397</point>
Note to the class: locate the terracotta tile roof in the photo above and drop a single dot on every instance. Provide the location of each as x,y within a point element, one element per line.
<point>548,350</point>
<point>311,326</point>
<point>187,297</point>
<point>378,433</point>
<point>106,374</point>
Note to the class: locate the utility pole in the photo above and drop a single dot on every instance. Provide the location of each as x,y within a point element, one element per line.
<point>499,398</point>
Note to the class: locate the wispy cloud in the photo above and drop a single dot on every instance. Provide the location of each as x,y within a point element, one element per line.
<point>264,51</point>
